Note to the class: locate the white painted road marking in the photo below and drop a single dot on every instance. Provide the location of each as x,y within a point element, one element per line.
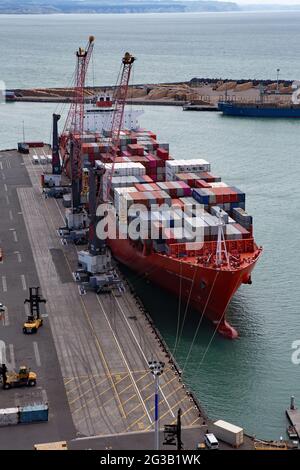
<point>5,187</point>
<point>37,353</point>
<point>4,284</point>
<point>26,307</point>
<point>1,166</point>
<point>19,256</point>
<point>10,214</point>
<point>7,199</point>
<point>23,282</point>
<point>15,236</point>
<point>12,356</point>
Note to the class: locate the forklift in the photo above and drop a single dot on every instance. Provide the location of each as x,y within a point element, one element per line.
<point>25,377</point>
<point>34,321</point>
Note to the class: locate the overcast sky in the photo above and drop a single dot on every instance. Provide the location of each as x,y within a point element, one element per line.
<point>270,2</point>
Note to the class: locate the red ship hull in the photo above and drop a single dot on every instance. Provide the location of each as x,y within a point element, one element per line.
<point>207,289</point>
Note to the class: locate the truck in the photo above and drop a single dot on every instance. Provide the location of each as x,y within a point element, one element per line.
<point>25,377</point>
<point>227,432</point>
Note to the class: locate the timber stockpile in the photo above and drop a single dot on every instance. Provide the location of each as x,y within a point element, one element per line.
<point>206,92</point>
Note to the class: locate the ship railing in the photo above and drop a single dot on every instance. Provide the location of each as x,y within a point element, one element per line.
<point>192,249</point>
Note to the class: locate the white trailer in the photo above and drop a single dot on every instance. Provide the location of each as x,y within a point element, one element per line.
<point>227,432</point>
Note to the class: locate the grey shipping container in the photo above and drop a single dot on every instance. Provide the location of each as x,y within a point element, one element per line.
<point>9,416</point>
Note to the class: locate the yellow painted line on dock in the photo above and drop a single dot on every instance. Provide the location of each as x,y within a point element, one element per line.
<point>183,414</point>
<point>87,391</point>
<point>135,408</point>
<point>137,421</point>
<point>169,381</point>
<point>97,396</point>
<point>129,399</point>
<point>191,424</point>
<point>167,412</point>
<point>79,384</point>
<point>67,381</point>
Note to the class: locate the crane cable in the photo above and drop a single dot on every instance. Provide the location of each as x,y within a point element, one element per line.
<point>200,321</point>
<point>186,308</point>
<point>179,308</point>
<point>211,339</point>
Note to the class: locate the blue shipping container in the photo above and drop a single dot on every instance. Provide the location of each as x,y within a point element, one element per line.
<point>33,413</point>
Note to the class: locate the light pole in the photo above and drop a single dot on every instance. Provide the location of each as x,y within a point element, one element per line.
<point>277,89</point>
<point>156,368</point>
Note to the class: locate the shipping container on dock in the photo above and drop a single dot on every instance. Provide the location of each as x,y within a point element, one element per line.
<point>34,413</point>
<point>9,416</point>
<point>229,433</point>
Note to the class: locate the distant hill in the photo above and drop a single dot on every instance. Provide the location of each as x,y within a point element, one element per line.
<point>112,6</point>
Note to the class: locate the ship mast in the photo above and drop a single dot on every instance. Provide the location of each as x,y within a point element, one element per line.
<point>221,243</point>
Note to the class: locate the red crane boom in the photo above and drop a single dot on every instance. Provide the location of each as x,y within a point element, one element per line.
<point>117,119</point>
<point>74,125</point>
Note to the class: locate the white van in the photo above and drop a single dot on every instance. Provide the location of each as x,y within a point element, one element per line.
<point>211,441</point>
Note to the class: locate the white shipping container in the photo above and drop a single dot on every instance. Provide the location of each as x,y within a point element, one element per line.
<point>227,432</point>
<point>212,221</point>
<point>197,226</point>
<point>9,416</point>
<point>185,166</point>
<point>219,184</point>
<point>118,192</point>
<point>123,181</point>
<point>124,169</point>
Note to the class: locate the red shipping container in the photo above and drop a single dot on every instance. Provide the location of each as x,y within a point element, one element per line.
<point>202,184</point>
<point>162,153</point>
<point>135,149</point>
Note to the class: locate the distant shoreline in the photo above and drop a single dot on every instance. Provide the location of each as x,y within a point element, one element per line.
<point>293,9</point>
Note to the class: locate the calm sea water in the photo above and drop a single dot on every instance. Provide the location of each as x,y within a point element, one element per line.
<point>39,50</point>
<point>247,381</point>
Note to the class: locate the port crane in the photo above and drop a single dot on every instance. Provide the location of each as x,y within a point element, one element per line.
<point>96,267</point>
<point>70,150</point>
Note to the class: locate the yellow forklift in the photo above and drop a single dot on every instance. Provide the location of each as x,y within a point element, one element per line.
<point>34,320</point>
<point>10,379</point>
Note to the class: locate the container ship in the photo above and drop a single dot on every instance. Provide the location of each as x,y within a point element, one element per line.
<point>263,108</point>
<point>266,110</point>
<point>203,275</point>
